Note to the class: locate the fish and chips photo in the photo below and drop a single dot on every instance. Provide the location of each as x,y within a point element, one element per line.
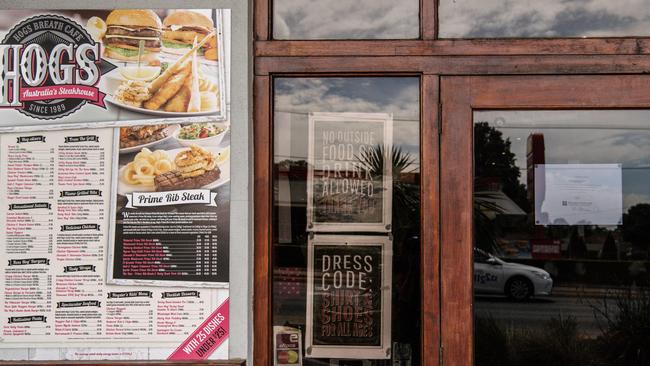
<point>181,88</point>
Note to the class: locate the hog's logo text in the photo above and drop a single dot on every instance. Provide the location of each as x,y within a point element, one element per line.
<point>50,67</point>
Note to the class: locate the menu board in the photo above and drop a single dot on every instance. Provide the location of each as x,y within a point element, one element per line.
<point>172,205</point>
<point>114,182</point>
<point>53,286</point>
<point>348,297</point>
<point>349,184</point>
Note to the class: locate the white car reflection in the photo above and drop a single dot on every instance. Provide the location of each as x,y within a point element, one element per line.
<point>517,281</point>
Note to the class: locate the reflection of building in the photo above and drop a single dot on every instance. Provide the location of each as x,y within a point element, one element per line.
<point>495,202</point>
<point>540,246</point>
<point>504,214</point>
<point>535,154</point>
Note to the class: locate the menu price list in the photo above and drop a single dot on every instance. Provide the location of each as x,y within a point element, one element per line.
<point>160,314</point>
<point>170,245</point>
<point>170,256</point>
<point>53,237</point>
<point>158,317</point>
<point>55,188</point>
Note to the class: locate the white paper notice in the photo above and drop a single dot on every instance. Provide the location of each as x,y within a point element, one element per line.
<point>578,194</point>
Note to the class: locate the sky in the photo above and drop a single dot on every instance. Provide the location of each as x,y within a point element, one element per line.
<point>543,18</point>
<point>390,19</point>
<point>584,137</point>
<point>336,19</point>
<point>295,98</point>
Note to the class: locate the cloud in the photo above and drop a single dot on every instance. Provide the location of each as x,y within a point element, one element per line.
<point>340,19</point>
<point>295,98</point>
<point>548,18</point>
<point>632,199</point>
<point>584,137</point>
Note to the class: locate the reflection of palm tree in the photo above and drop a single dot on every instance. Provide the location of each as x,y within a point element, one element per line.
<point>405,231</point>
<point>406,196</point>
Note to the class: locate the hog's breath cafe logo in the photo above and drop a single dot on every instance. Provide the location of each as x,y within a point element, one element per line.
<point>49,68</point>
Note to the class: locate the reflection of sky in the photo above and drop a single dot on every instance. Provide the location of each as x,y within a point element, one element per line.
<point>584,137</point>
<point>341,19</point>
<point>546,18</point>
<point>295,98</point>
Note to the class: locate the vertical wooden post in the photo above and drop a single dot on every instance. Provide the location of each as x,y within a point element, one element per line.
<point>430,219</point>
<point>456,190</point>
<point>263,143</point>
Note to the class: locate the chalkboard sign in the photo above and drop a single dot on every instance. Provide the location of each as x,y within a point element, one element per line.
<point>349,184</point>
<point>348,301</point>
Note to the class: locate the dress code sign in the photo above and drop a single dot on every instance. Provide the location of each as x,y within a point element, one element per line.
<point>347,304</point>
<point>349,180</point>
<point>347,308</point>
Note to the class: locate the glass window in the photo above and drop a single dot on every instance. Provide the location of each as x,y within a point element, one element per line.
<point>548,18</point>
<point>346,246</point>
<point>562,202</point>
<point>346,19</point>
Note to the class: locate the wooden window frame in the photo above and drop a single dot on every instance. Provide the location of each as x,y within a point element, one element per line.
<point>461,97</point>
<point>456,76</point>
<point>263,15</point>
<point>263,168</point>
<point>125,363</point>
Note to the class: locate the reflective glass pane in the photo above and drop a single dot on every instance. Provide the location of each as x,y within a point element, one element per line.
<point>346,19</point>
<point>562,237</point>
<point>346,246</point>
<point>548,18</point>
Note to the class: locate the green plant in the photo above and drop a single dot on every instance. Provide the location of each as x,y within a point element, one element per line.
<point>624,318</point>
<point>491,342</point>
<point>406,195</point>
<point>557,342</point>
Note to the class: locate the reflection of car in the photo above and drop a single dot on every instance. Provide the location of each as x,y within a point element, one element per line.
<point>517,281</point>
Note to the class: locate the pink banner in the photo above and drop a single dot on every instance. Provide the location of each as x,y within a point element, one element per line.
<point>207,338</point>
<point>38,93</point>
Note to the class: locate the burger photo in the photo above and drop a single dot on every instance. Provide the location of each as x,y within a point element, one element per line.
<point>182,27</point>
<point>125,28</point>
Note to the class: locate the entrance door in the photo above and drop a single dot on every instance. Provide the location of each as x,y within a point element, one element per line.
<point>345,274</point>
<point>545,180</point>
